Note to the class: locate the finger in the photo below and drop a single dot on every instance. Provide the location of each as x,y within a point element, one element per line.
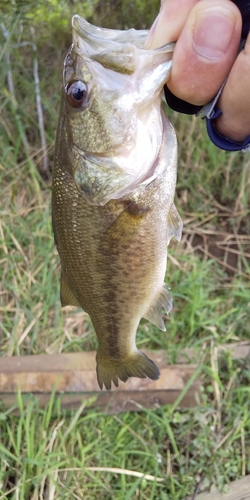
<point>234,102</point>
<point>205,51</point>
<point>169,23</point>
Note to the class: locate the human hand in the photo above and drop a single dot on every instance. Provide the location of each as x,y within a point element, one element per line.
<point>208,34</point>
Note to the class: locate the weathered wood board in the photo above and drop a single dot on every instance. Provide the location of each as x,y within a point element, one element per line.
<point>237,490</point>
<point>73,376</point>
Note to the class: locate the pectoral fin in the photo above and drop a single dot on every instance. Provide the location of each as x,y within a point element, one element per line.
<point>124,228</point>
<point>67,297</point>
<point>162,300</point>
<point>174,224</point>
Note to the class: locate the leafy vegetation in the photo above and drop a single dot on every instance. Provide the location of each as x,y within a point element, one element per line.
<point>47,454</point>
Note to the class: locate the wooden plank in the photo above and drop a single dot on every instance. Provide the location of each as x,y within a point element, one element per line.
<point>173,377</point>
<point>73,376</point>
<point>76,374</point>
<point>237,490</point>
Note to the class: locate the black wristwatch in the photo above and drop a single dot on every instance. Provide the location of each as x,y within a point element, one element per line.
<point>184,107</point>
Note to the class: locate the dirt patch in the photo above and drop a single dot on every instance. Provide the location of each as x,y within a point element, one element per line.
<point>229,249</point>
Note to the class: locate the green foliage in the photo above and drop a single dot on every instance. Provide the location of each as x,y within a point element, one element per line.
<point>59,12</point>
<point>44,22</point>
<point>48,11</point>
<point>120,14</point>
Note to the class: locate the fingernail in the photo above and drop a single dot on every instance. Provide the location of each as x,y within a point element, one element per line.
<point>213,31</point>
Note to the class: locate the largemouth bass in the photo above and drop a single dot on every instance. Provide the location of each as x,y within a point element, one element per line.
<point>114,179</point>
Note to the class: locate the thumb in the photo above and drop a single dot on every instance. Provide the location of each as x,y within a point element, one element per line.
<point>169,23</point>
<point>205,50</point>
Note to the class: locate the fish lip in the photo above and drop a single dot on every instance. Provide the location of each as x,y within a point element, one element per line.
<point>94,34</point>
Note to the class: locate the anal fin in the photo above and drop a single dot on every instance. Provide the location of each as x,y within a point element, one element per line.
<point>67,297</point>
<point>162,300</point>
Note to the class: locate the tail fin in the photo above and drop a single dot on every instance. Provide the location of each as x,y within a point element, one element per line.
<point>136,365</point>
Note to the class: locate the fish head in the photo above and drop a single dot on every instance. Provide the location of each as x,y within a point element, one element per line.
<point>112,121</point>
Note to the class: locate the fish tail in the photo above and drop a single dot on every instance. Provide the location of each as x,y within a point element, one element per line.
<point>136,365</point>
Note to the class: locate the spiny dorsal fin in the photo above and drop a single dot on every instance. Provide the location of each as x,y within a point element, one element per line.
<point>67,297</point>
<point>174,224</point>
<point>162,300</point>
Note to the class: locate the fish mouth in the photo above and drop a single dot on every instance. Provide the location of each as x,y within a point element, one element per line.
<point>94,34</point>
<point>119,50</point>
<point>106,37</point>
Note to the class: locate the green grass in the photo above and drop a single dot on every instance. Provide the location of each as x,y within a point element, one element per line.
<point>48,454</point>
<point>46,451</point>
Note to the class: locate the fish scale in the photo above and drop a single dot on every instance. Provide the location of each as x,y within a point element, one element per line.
<point>113,246</point>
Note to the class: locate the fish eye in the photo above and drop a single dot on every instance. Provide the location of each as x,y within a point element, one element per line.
<point>76,93</point>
